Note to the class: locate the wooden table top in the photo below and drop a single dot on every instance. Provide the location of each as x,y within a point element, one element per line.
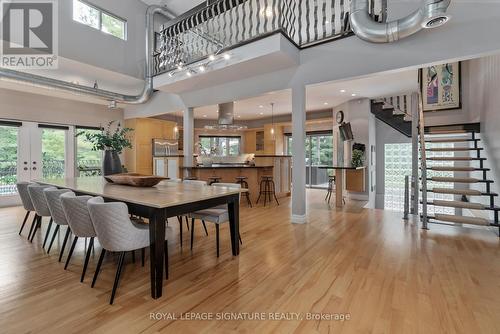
<point>164,195</point>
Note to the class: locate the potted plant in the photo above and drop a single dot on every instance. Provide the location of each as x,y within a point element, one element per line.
<point>357,158</point>
<point>112,140</point>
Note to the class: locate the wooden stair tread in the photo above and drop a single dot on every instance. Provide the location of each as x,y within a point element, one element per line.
<point>453,149</point>
<point>461,219</point>
<point>451,140</point>
<point>458,204</point>
<point>454,179</point>
<point>439,132</point>
<point>466,192</point>
<point>454,158</point>
<point>455,169</point>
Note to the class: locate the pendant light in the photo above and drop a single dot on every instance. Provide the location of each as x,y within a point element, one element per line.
<point>273,136</point>
<point>176,128</point>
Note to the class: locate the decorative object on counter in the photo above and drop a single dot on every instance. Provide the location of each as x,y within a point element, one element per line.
<point>135,179</point>
<point>112,142</point>
<point>206,155</point>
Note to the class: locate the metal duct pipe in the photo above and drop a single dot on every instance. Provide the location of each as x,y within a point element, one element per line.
<point>49,83</point>
<point>431,14</point>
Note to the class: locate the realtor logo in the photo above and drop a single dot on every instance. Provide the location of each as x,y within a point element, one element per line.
<point>29,34</point>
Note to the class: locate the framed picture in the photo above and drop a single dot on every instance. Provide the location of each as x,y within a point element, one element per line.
<point>440,86</point>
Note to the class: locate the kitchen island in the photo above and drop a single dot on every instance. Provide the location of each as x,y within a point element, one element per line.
<point>229,172</point>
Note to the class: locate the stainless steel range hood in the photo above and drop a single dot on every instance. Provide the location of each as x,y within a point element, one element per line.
<point>225,119</point>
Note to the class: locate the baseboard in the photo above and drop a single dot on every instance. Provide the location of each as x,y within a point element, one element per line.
<point>357,197</point>
<point>299,219</point>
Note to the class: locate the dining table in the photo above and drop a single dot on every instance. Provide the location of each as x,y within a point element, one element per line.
<point>158,203</point>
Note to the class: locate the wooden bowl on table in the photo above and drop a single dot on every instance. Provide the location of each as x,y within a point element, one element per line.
<point>135,179</point>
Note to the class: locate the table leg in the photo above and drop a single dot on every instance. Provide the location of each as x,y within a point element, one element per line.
<point>234,222</point>
<point>339,187</point>
<point>156,249</point>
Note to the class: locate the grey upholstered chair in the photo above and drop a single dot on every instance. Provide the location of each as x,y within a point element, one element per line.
<point>195,183</point>
<point>117,233</point>
<point>78,218</point>
<point>217,215</point>
<point>41,208</point>
<point>59,217</point>
<point>22,189</point>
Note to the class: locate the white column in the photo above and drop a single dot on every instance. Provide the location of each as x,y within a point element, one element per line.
<point>188,131</point>
<point>299,154</point>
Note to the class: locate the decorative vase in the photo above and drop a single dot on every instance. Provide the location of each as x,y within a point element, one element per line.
<point>206,161</point>
<point>111,164</point>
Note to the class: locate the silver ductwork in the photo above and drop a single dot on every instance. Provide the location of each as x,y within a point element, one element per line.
<point>431,14</point>
<point>49,83</point>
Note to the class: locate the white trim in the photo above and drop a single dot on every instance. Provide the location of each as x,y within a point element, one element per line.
<point>299,219</point>
<point>9,200</point>
<point>358,197</point>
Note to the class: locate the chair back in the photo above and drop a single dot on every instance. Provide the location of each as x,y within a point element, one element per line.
<point>38,198</point>
<point>77,214</point>
<point>115,231</point>
<point>53,198</point>
<point>22,189</point>
<point>228,185</point>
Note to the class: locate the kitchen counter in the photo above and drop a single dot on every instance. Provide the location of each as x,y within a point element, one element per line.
<point>222,166</point>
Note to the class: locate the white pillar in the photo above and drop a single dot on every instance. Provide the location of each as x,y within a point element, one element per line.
<point>188,136</point>
<point>299,154</point>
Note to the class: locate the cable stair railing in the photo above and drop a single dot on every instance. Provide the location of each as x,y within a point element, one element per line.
<point>457,189</point>
<point>221,25</point>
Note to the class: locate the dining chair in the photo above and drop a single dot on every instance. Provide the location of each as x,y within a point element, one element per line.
<point>196,183</point>
<point>53,197</point>
<point>117,233</point>
<point>78,218</point>
<point>217,215</point>
<point>37,196</point>
<point>22,189</point>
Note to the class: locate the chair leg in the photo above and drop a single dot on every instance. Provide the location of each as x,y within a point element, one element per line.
<point>133,256</point>
<point>33,223</point>
<point>47,234</point>
<point>274,192</point>
<point>24,221</point>
<point>56,230</point>
<point>70,252</point>
<point>187,223</point>
<point>66,236</point>
<point>217,237</point>
<point>192,232</point>
<point>87,257</point>
<point>248,200</point>
<point>117,277</point>
<point>204,226</point>
<point>260,193</point>
<point>37,226</point>
<point>99,263</point>
<point>239,237</point>
<point>180,230</point>
<point>166,259</point>
<point>266,186</point>
<point>143,256</point>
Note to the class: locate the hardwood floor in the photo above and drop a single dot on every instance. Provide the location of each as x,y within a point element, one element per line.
<point>387,275</point>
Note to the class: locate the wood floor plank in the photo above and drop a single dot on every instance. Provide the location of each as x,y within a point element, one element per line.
<point>387,275</point>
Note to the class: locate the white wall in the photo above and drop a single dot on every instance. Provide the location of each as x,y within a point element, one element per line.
<point>38,108</point>
<point>82,43</point>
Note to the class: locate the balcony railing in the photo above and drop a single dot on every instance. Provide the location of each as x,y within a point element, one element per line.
<point>227,24</point>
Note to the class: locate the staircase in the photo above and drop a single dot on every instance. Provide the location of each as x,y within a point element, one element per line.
<point>451,165</point>
<point>392,116</point>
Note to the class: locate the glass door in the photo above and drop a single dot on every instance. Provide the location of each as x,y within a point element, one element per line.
<point>9,142</point>
<point>53,152</point>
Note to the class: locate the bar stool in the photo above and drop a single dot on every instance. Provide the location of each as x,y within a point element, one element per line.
<point>191,178</point>
<point>22,189</point>
<point>331,181</point>
<point>214,179</point>
<point>241,180</point>
<point>267,188</point>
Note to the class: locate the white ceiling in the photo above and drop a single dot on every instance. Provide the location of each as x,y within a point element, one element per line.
<point>319,97</point>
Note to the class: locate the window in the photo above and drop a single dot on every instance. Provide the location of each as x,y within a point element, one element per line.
<point>88,162</point>
<point>99,19</point>
<point>220,146</point>
<point>8,159</point>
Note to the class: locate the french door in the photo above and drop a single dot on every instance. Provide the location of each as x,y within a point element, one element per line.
<point>30,151</point>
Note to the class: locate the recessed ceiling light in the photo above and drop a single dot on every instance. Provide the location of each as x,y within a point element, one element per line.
<point>171,74</point>
<point>227,56</point>
<point>261,106</point>
<point>211,57</point>
<point>342,90</point>
<point>202,68</point>
<point>189,73</point>
<point>326,22</point>
<point>205,116</point>
<point>262,113</point>
<point>326,103</point>
<point>238,116</point>
<point>353,94</point>
<point>179,67</point>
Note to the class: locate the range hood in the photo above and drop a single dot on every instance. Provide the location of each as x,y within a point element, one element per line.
<point>225,119</point>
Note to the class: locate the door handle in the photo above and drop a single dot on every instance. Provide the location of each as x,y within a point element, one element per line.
<point>25,168</point>
<point>34,168</point>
